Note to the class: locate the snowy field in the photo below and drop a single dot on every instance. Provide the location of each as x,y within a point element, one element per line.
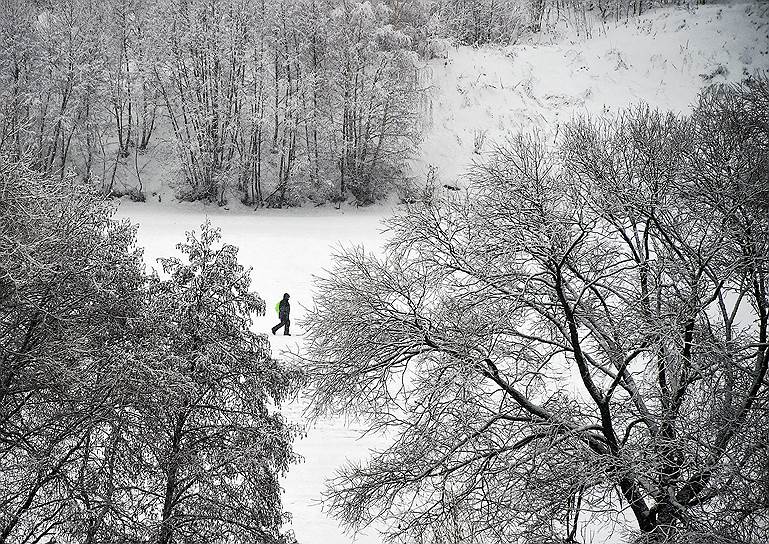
<point>662,58</point>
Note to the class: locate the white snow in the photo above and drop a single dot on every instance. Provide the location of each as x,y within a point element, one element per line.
<point>660,58</point>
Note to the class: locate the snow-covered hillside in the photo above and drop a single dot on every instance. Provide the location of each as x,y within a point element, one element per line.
<point>662,58</point>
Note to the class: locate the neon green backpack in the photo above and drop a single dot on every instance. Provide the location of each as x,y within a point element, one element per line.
<point>277,308</point>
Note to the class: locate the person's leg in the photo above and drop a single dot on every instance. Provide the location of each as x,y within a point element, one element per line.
<point>276,327</point>
<point>285,330</point>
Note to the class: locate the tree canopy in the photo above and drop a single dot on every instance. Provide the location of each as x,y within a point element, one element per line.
<point>580,336</point>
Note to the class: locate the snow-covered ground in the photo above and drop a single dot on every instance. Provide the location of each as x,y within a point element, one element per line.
<point>662,58</point>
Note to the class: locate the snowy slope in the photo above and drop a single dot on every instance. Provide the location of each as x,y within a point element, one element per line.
<point>663,58</point>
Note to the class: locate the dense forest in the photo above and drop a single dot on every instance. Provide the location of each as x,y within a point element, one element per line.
<point>270,102</point>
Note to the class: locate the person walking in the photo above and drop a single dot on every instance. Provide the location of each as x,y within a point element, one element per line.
<point>284,310</point>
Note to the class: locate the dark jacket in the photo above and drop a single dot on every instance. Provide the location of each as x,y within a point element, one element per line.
<point>284,310</point>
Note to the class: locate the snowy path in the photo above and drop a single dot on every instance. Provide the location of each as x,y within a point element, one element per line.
<point>285,250</point>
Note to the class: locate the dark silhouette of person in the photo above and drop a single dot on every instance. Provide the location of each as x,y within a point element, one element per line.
<point>284,310</point>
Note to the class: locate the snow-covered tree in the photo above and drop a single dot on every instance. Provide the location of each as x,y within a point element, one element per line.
<point>69,281</point>
<point>482,21</point>
<point>582,337</point>
<point>375,92</point>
